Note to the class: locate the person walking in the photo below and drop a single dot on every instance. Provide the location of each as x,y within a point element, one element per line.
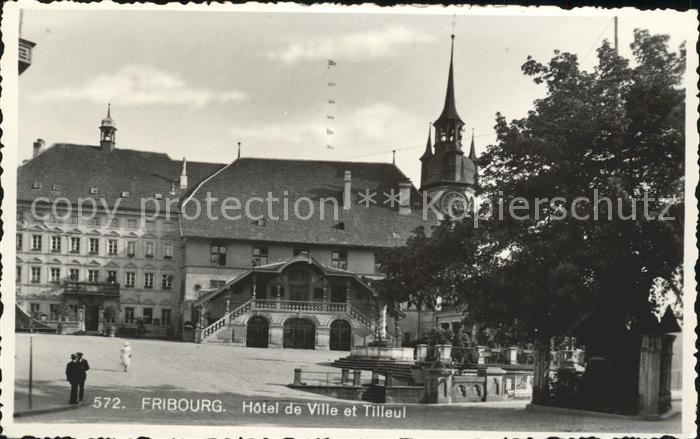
<point>84,367</point>
<point>73,374</point>
<point>125,355</point>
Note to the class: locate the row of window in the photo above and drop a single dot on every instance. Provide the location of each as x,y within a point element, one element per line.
<point>93,276</point>
<point>259,256</point>
<point>113,246</point>
<point>147,316</point>
<point>102,220</point>
<point>129,314</point>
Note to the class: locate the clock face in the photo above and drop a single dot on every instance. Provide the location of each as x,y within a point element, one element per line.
<point>454,204</point>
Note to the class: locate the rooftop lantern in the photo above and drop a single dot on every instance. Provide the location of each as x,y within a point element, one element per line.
<point>108,132</point>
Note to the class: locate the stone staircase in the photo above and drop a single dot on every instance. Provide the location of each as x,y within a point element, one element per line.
<point>210,332</point>
<point>400,370</point>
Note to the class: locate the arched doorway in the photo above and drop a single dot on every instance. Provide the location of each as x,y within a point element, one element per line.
<point>299,333</point>
<point>341,335</point>
<point>257,332</point>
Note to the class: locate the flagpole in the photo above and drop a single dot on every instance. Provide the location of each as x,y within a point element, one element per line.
<point>31,359</point>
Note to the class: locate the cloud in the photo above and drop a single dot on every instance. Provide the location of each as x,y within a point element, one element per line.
<point>370,129</point>
<point>359,45</point>
<point>140,85</point>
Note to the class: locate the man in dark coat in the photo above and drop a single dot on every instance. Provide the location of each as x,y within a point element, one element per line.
<point>73,374</point>
<point>84,367</point>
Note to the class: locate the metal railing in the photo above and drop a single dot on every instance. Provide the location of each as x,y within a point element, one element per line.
<point>345,377</point>
<point>91,289</point>
<point>486,355</point>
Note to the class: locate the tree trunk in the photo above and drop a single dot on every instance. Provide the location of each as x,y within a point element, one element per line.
<point>540,384</point>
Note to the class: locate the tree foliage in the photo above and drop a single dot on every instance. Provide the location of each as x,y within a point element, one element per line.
<point>616,133</point>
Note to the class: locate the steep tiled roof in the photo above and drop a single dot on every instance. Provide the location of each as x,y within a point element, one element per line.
<point>378,225</point>
<point>78,168</point>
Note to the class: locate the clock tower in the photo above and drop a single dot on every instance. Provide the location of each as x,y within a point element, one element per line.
<point>445,170</point>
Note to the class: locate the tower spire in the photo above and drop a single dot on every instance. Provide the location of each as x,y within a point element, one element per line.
<point>449,111</point>
<point>428,146</point>
<point>472,150</point>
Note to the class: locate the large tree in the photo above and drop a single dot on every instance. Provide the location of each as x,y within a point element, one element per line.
<point>615,133</point>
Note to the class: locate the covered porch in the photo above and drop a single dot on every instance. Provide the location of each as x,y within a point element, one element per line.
<point>298,303</point>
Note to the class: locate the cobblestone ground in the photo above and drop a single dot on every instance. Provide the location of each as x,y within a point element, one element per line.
<point>233,380</point>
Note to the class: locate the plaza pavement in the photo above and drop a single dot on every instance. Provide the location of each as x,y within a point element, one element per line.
<point>239,376</point>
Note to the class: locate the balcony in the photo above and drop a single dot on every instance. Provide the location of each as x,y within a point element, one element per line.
<point>298,305</point>
<point>25,54</point>
<point>105,290</point>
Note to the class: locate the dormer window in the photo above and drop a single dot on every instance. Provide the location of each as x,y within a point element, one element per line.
<point>94,190</point>
<point>37,185</point>
<point>159,196</point>
<point>396,235</point>
<point>56,187</point>
<point>125,194</point>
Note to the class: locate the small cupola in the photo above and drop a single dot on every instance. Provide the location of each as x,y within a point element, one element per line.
<point>108,132</point>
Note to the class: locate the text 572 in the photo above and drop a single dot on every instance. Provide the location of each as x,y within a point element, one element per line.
<point>106,402</point>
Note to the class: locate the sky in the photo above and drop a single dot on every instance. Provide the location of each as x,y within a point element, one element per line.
<point>193,84</point>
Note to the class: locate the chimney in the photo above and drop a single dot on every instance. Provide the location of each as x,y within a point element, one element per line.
<point>404,196</point>
<point>183,174</point>
<point>38,147</point>
<point>347,190</point>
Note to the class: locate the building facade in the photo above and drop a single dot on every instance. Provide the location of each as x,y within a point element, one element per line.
<point>89,255</point>
<point>218,253</point>
<point>256,252</point>
<point>305,212</point>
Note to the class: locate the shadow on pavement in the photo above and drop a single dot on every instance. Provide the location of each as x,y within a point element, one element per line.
<point>325,363</point>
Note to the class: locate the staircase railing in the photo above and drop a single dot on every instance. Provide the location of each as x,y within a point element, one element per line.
<point>369,323</point>
<point>359,316</point>
<point>225,320</point>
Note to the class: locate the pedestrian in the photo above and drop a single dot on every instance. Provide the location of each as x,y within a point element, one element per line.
<point>73,374</point>
<point>84,367</point>
<point>126,355</point>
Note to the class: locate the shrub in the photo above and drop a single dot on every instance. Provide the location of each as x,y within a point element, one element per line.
<point>438,336</point>
<point>565,386</point>
<point>410,343</point>
<point>461,339</point>
<point>110,314</point>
